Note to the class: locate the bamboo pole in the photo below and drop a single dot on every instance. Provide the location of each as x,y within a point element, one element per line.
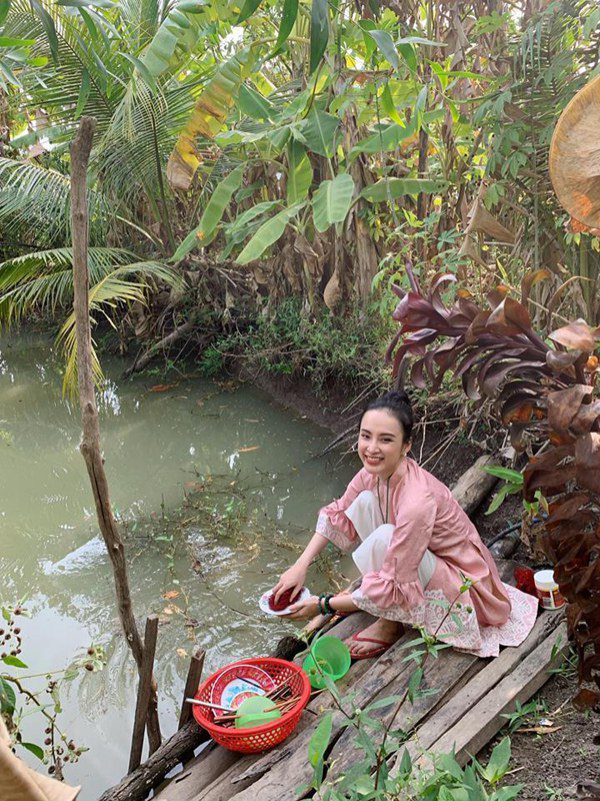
<point>144,692</point>
<point>191,686</point>
<point>80,149</point>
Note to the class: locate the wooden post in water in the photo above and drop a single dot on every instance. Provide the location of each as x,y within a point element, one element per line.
<point>144,692</point>
<point>80,149</point>
<point>191,686</point>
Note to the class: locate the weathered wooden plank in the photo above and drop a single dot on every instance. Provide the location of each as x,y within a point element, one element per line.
<point>249,768</point>
<point>454,710</point>
<point>208,776</point>
<point>441,674</point>
<point>484,719</point>
<point>197,774</point>
<point>389,673</point>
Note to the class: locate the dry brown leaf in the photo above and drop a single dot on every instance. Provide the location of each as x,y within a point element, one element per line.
<point>574,156</point>
<point>161,387</point>
<point>249,449</point>
<point>577,335</point>
<point>171,594</point>
<point>539,730</point>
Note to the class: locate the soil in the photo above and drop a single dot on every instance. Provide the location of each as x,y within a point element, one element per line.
<point>550,766</point>
<point>299,395</point>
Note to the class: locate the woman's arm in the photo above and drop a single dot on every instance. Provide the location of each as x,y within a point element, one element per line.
<point>343,602</point>
<point>295,576</point>
<point>332,526</point>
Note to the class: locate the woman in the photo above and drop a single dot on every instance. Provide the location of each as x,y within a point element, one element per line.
<point>417,551</point>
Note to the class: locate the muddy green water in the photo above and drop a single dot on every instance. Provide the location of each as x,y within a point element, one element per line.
<point>159,447</point>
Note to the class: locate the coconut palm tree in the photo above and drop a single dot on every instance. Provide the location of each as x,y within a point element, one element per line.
<point>124,66</point>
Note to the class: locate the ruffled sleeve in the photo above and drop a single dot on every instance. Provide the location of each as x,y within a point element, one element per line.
<point>334,524</point>
<point>397,583</point>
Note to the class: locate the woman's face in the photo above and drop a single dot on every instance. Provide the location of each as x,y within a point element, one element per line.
<point>381,444</point>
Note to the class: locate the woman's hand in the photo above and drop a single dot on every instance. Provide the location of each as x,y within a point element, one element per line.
<point>304,609</point>
<point>293,578</point>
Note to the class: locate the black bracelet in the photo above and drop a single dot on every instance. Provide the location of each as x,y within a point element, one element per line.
<point>321,604</point>
<point>326,603</point>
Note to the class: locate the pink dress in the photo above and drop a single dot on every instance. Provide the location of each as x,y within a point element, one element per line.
<point>425,517</point>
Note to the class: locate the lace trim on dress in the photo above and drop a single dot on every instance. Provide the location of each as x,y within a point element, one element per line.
<point>337,537</point>
<point>462,629</point>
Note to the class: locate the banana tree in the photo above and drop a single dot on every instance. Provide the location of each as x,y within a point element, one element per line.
<point>319,144</point>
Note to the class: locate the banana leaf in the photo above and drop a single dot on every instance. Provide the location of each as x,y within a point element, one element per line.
<point>268,233</point>
<point>209,114</point>
<point>332,200</point>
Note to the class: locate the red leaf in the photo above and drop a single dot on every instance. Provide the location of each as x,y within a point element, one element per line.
<point>517,409</point>
<point>496,296</point>
<point>558,360</point>
<point>511,315</point>
<point>584,700</point>
<point>494,376</point>
<point>549,472</point>
<point>587,417</point>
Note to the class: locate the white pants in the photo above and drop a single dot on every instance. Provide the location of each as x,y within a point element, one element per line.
<point>366,517</point>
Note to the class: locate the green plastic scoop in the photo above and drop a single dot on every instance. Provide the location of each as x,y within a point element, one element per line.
<point>256,711</point>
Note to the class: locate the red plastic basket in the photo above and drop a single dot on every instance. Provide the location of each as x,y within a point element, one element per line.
<point>259,738</point>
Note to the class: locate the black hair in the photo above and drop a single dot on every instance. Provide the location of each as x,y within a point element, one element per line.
<point>398,404</point>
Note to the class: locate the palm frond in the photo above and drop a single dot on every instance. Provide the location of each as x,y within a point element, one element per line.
<point>44,280</point>
<point>136,146</point>
<point>36,200</point>
<point>108,293</point>
<point>83,73</point>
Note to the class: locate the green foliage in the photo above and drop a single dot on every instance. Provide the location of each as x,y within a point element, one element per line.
<point>319,32</point>
<point>332,200</point>
<point>382,769</point>
<point>318,745</point>
<point>300,172</point>
<point>414,108</point>
<point>21,694</point>
<point>522,714</point>
<point>43,281</point>
<point>213,213</point>
<point>513,484</point>
<point>326,349</point>
<point>268,233</point>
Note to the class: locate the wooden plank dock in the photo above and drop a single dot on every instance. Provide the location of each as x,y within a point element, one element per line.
<point>471,695</point>
<point>464,714</point>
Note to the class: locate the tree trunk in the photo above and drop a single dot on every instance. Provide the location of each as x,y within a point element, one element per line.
<point>366,258</point>
<point>90,441</point>
<point>149,775</point>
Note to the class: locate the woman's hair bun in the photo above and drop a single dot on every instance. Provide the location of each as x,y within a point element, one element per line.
<point>397,397</point>
<point>398,403</point>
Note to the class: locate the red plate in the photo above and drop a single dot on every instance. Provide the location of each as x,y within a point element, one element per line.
<point>230,688</point>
